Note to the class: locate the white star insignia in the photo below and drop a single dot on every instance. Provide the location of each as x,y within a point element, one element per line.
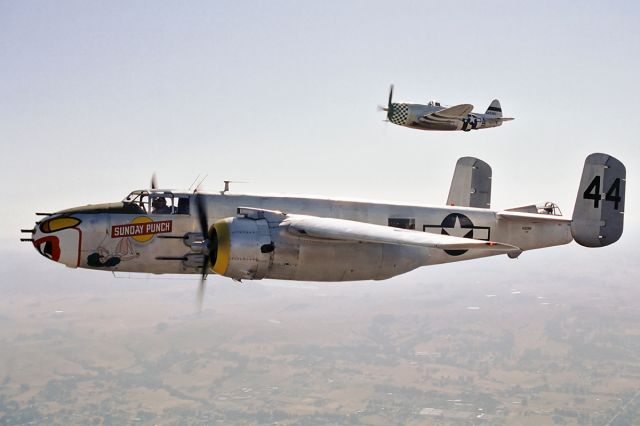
<point>458,230</point>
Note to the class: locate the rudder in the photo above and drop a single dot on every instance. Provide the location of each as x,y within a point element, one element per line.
<point>494,109</point>
<point>471,184</point>
<point>598,214</point>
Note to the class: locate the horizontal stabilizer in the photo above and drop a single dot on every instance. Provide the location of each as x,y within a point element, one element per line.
<point>531,217</point>
<point>348,230</point>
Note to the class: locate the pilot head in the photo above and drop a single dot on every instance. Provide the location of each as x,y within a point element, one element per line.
<point>159,202</point>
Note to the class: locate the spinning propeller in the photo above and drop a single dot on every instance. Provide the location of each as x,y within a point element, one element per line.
<point>389,107</point>
<point>198,246</point>
<point>204,245</point>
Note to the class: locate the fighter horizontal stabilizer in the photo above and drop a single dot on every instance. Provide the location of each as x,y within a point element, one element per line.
<point>455,112</point>
<point>471,184</point>
<point>347,230</point>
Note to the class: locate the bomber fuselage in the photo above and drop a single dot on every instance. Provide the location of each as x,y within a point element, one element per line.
<point>129,236</point>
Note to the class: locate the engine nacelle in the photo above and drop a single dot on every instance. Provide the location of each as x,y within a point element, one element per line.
<point>241,248</point>
<point>258,244</point>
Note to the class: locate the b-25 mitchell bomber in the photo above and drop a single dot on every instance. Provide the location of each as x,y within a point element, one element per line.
<point>250,237</point>
<point>434,116</point>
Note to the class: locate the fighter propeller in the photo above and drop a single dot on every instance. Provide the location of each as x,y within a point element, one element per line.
<point>389,106</point>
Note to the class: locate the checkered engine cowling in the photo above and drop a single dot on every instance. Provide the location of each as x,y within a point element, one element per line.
<point>399,114</point>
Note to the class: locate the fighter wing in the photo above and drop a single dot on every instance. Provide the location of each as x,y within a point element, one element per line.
<point>348,230</point>
<point>455,112</point>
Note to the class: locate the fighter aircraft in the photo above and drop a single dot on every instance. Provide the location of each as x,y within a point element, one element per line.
<point>434,116</point>
<point>250,237</point>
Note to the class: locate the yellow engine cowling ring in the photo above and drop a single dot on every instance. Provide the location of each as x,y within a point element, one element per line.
<point>241,248</point>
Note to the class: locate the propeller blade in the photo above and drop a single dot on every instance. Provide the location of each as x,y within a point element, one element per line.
<point>390,96</point>
<point>202,215</point>
<point>202,287</point>
<point>201,210</point>
<point>154,181</point>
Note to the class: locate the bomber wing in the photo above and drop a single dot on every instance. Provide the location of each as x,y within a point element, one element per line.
<point>455,112</point>
<point>348,230</point>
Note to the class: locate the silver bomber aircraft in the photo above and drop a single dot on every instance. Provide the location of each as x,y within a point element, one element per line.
<point>250,237</point>
<point>434,116</point>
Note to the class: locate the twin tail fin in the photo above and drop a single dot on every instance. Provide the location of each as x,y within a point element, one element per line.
<point>598,215</point>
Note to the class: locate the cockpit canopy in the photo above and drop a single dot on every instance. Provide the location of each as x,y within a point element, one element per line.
<point>434,103</point>
<point>159,201</point>
<point>549,208</point>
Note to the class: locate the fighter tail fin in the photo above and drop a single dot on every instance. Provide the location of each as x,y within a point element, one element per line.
<point>598,214</point>
<point>494,109</point>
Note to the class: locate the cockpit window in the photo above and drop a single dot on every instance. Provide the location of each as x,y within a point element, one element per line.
<point>549,208</point>
<point>183,205</point>
<point>161,202</point>
<point>139,198</point>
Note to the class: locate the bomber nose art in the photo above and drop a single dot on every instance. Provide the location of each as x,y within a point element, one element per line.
<point>59,239</point>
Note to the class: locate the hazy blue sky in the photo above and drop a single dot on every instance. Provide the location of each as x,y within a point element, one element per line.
<point>95,96</point>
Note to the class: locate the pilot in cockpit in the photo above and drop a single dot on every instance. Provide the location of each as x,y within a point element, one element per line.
<point>160,206</point>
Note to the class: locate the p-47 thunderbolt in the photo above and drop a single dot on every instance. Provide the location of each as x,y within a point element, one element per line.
<point>434,116</point>
<point>250,237</point>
